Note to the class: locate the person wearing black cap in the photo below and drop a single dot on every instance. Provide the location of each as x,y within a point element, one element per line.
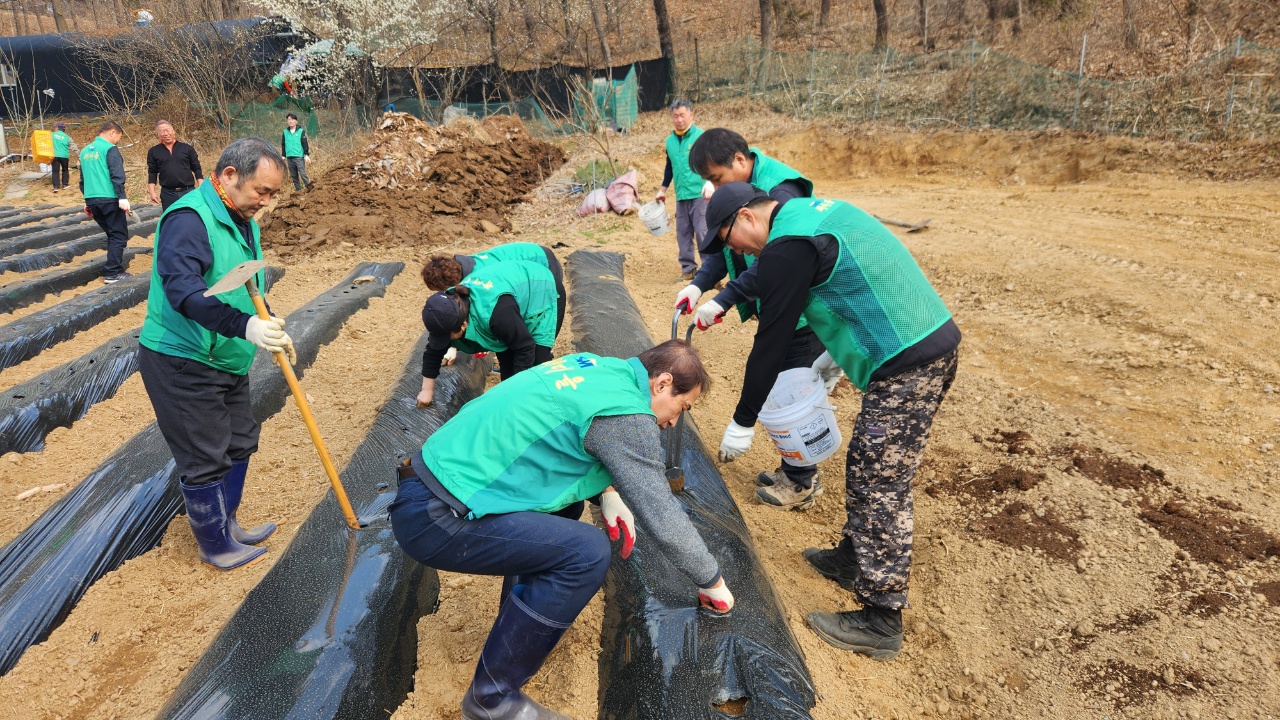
<point>508,308</point>
<point>885,326</point>
<point>445,271</point>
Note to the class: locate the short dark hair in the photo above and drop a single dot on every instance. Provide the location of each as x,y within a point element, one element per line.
<point>110,125</point>
<point>681,360</point>
<point>716,146</point>
<point>442,271</point>
<point>246,154</point>
<point>290,115</point>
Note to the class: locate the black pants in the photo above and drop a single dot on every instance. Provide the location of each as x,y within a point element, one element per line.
<point>169,196</point>
<point>558,272</point>
<point>61,173</point>
<point>804,349</point>
<point>507,360</point>
<point>115,224</point>
<point>203,413</point>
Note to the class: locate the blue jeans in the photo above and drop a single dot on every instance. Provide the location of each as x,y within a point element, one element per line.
<point>561,561</point>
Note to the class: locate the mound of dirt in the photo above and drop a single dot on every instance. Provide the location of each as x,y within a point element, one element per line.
<point>417,184</point>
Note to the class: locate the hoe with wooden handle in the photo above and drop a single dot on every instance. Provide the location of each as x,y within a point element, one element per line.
<point>242,275</point>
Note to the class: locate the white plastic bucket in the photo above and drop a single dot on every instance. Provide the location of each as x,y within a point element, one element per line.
<point>654,215</point>
<point>799,419</point>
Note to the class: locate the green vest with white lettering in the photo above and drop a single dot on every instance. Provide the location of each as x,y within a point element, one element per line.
<point>519,446</point>
<point>171,333</point>
<point>532,286</point>
<point>766,174</point>
<point>877,302</point>
<point>523,251</point>
<point>688,183</point>
<point>93,167</point>
<point>61,144</point>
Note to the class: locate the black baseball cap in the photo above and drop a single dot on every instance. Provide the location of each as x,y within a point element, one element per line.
<point>727,200</point>
<point>440,317</point>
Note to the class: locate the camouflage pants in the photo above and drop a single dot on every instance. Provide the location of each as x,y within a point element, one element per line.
<point>888,442</point>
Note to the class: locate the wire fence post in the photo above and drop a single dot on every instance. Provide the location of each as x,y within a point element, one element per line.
<point>1231,93</point>
<point>813,58</point>
<point>697,71</point>
<point>1075,114</point>
<point>875,112</point>
<point>973,87</point>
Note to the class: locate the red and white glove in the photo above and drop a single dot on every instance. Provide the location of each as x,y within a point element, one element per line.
<point>688,297</point>
<point>661,196</point>
<point>716,597</point>
<point>707,190</point>
<point>709,314</point>
<point>619,521</point>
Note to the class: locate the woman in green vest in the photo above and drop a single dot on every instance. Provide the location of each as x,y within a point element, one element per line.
<point>63,146</point>
<point>508,308</point>
<point>444,271</point>
<point>885,326</point>
<point>498,490</point>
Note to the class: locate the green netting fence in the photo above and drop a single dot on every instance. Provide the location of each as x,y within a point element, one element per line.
<point>267,119</point>
<point>1233,93</point>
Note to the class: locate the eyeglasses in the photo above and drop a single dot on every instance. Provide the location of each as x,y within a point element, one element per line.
<point>733,222</point>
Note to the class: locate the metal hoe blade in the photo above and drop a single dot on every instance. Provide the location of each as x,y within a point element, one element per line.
<point>236,277</point>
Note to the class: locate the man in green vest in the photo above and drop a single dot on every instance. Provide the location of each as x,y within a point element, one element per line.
<point>196,350</point>
<point>722,156</point>
<point>63,146</point>
<point>885,326</point>
<point>498,490</point>
<point>102,183</point>
<point>296,150</point>
<point>691,202</point>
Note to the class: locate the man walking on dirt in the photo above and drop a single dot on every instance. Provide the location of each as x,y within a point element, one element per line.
<point>296,149</point>
<point>196,350</point>
<point>102,183</point>
<point>63,146</point>
<point>172,165</point>
<point>691,202</point>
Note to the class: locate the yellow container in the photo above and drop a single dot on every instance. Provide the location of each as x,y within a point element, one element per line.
<point>42,146</point>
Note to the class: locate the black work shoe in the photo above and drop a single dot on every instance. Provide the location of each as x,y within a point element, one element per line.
<point>872,631</point>
<point>832,565</point>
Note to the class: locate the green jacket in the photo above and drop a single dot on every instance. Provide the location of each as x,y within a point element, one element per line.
<point>523,251</point>
<point>168,331</point>
<point>532,286</point>
<point>877,302</point>
<point>688,183</point>
<point>61,144</point>
<point>519,446</point>
<point>94,170</point>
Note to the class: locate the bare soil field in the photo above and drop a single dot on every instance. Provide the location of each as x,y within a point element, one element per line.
<point>1096,519</point>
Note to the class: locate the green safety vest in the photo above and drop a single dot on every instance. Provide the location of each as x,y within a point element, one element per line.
<point>61,144</point>
<point>169,332</point>
<point>519,446</point>
<point>877,301</point>
<point>766,174</point>
<point>534,290</point>
<point>688,183</point>
<point>93,167</point>
<point>293,141</point>
<point>526,252</point>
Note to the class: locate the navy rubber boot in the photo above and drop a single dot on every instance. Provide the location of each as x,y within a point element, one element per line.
<point>233,481</point>
<point>517,646</point>
<point>207,513</point>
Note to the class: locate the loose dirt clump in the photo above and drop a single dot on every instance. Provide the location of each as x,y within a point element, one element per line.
<point>1016,442</point>
<point>417,184</point>
<point>1269,590</point>
<point>1209,536</point>
<point>1018,525</point>
<point>1097,465</point>
<point>984,487</point>
<point>1126,685</point>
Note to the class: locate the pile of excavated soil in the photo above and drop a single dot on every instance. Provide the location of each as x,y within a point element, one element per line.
<point>417,184</point>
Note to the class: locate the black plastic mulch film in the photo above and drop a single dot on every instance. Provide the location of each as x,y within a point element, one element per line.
<point>29,291</point>
<point>331,630</point>
<point>67,251</point>
<point>121,509</point>
<point>64,230</point>
<point>31,335</point>
<point>30,217</point>
<point>60,396</point>
<point>664,658</point>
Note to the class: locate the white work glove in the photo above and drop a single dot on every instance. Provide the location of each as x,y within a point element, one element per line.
<point>450,356</point>
<point>828,370</point>
<point>707,190</point>
<point>688,297</point>
<point>266,334</point>
<point>289,351</point>
<point>709,314</point>
<point>737,440</point>
<point>306,159</point>
<point>123,203</point>
<point>617,516</point>
<point>717,597</point>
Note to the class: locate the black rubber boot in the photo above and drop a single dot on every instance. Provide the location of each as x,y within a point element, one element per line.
<point>872,631</point>
<point>517,646</point>
<point>835,564</point>
<point>234,483</point>
<point>207,513</point>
